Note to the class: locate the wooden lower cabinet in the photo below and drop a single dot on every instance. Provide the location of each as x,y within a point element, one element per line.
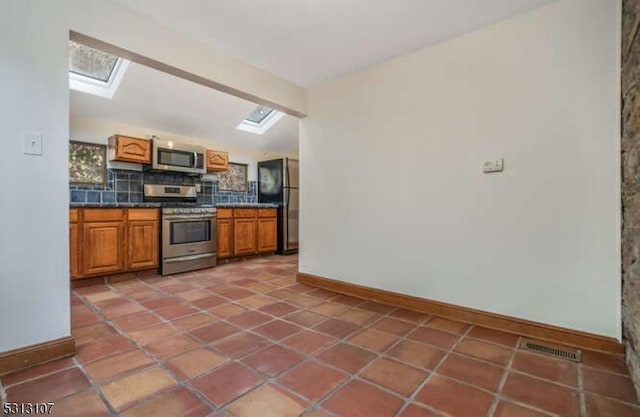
<point>244,236</point>
<point>246,231</point>
<point>224,238</point>
<point>143,244</point>
<point>103,247</point>
<point>74,246</point>
<point>108,241</point>
<point>267,231</point>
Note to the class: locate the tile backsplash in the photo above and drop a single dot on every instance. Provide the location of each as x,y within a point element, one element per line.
<point>124,186</point>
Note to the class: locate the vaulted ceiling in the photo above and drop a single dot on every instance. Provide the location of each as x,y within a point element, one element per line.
<point>311,41</point>
<point>304,41</point>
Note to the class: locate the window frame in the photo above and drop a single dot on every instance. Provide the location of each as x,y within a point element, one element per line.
<point>259,128</point>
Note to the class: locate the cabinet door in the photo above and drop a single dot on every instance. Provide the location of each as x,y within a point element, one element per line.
<point>217,160</point>
<point>143,244</point>
<point>267,235</point>
<point>103,244</point>
<point>244,236</point>
<point>133,149</point>
<point>224,247</point>
<point>74,250</point>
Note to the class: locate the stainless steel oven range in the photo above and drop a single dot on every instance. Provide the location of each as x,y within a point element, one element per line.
<point>188,230</point>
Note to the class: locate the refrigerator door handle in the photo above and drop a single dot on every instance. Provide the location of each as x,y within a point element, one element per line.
<point>285,220</point>
<point>286,174</point>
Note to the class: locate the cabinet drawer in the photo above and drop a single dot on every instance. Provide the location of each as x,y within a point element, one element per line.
<point>103,215</point>
<point>224,213</point>
<point>73,215</point>
<point>241,213</point>
<point>267,212</point>
<point>143,214</point>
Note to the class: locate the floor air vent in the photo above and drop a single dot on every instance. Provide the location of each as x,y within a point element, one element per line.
<point>547,349</point>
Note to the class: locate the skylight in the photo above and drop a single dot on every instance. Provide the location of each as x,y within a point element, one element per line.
<point>259,114</point>
<point>93,71</point>
<point>260,120</point>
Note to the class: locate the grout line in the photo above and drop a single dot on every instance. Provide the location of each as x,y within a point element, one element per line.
<point>500,397</point>
<point>497,396</point>
<point>548,381</point>
<point>583,401</point>
<point>411,397</point>
<point>159,363</point>
<point>203,344</point>
<point>3,394</point>
<point>303,328</point>
<point>95,387</point>
<point>156,363</point>
<point>33,378</point>
<point>311,358</point>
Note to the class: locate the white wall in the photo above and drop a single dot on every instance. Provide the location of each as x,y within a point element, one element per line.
<point>34,263</point>
<point>87,129</point>
<point>393,194</point>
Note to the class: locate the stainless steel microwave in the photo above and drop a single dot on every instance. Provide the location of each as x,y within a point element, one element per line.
<point>170,156</point>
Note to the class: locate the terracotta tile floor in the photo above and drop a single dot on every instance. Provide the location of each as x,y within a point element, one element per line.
<point>246,340</point>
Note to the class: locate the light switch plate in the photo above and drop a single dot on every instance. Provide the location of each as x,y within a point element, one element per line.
<point>32,143</point>
<point>495,165</point>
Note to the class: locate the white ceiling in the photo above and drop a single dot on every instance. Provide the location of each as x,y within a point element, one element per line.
<point>311,41</point>
<point>303,41</point>
<point>150,98</point>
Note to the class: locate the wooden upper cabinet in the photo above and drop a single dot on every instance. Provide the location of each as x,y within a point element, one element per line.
<point>217,160</point>
<point>129,149</point>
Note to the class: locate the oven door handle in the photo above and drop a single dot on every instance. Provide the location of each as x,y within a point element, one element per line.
<point>190,257</point>
<point>194,218</point>
<point>195,159</point>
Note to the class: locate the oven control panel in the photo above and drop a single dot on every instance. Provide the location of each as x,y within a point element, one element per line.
<point>189,210</point>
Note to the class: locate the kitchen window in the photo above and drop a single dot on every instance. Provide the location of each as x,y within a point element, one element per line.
<point>87,163</point>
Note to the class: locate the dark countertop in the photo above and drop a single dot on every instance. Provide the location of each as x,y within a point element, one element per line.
<point>159,205</point>
<point>115,205</point>
<point>246,205</point>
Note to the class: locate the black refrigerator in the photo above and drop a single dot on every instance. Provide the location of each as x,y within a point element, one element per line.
<point>278,184</point>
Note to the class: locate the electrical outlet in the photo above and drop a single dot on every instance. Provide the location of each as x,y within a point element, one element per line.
<point>32,143</point>
<point>496,165</point>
